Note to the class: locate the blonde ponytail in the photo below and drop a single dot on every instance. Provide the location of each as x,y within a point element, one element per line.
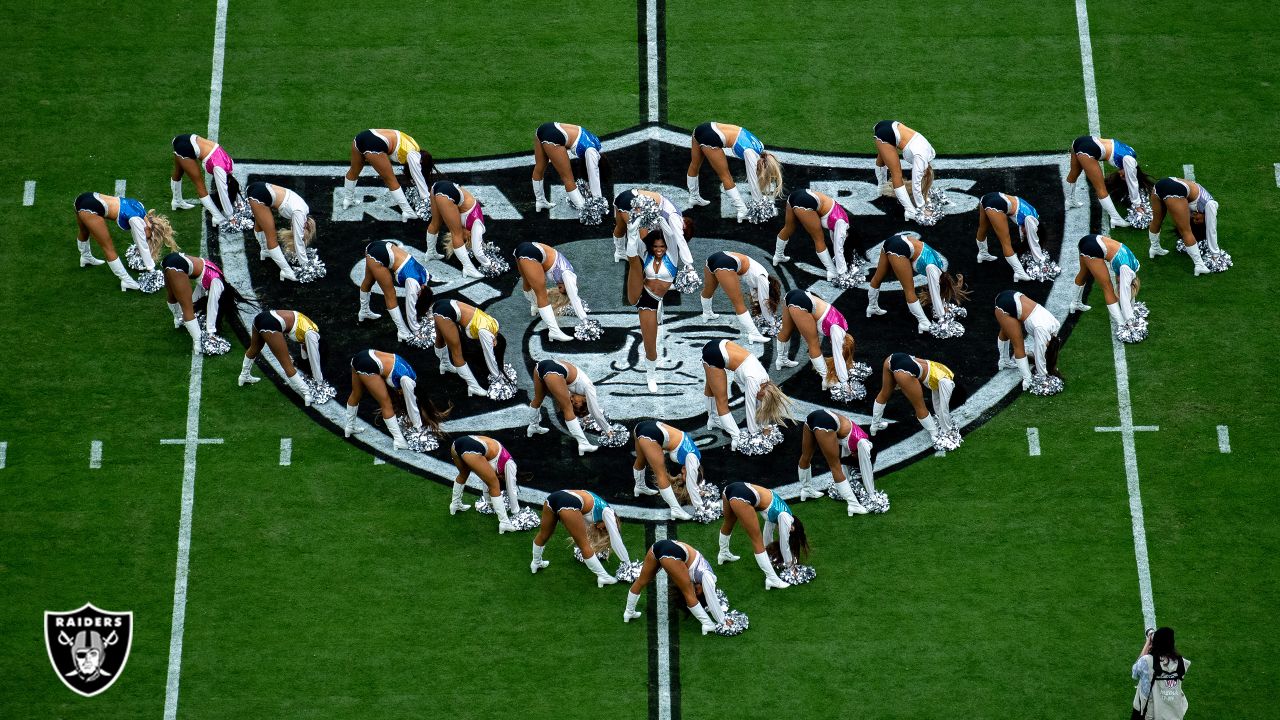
<point>769,175</point>
<point>161,235</point>
<point>775,407</point>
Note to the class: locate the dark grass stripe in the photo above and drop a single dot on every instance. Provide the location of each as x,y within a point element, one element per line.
<point>651,615</point>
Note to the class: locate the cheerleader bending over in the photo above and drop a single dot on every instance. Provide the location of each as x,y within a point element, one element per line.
<point>1021,318</point>
<point>818,214</point>
<point>911,375</point>
<point>567,147</point>
<point>1099,257</point>
<point>893,137</point>
<point>654,439</point>
<point>151,232</point>
<point>994,212</point>
<point>1187,202</point>
<point>659,272</point>
<point>381,373</point>
<point>907,255</point>
<point>591,523</point>
<point>487,459</point>
<point>816,318</point>
<point>380,148</point>
<point>463,216</point>
<point>837,437</point>
<point>765,403</point>
<point>391,266</point>
<point>714,141</point>
<point>179,271</point>
<point>742,501</point>
<point>689,571</point>
<point>263,199</point>
<point>732,271</point>
<point>573,392</point>
<point>271,328</point>
<point>190,152</point>
<point>454,319</point>
<point>1087,155</point>
<point>539,263</point>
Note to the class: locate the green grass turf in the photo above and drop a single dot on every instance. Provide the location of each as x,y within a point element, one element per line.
<point>335,588</point>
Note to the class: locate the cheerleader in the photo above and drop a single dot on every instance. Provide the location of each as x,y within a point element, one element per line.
<point>1098,253</point>
<point>463,216</point>
<point>591,523</point>
<point>837,437</point>
<point>381,373</point>
<point>454,319</point>
<point>391,266</point>
<point>379,148</point>
<point>714,141</point>
<point>190,152</point>
<point>815,318</point>
<point>1187,202</point>
<point>764,401</point>
<point>911,375</point>
<point>628,236</point>
<point>179,270</point>
<point>263,199</point>
<point>893,137</point>
<point>561,144</point>
<point>654,439</point>
<point>994,212</point>
<point>1087,155</point>
<point>1021,318</point>
<point>573,392</point>
<point>151,232</point>
<point>818,214</point>
<point>659,272</point>
<point>270,329</point>
<point>691,574</point>
<point>907,255</point>
<point>487,459</point>
<point>741,502</point>
<point>539,263</point>
<point>731,271</point>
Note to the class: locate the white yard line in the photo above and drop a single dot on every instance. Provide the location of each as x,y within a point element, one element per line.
<point>1277,174</point>
<point>193,441</point>
<point>664,634</point>
<point>1033,442</point>
<point>4,451</point>
<point>1224,442</point>
<point>1123,400</point>
<point>1189,172</point>
<point>121,186</point>
<point>95,455</point>
<point>286,452</point>
<point>651,56</point>
<point>29,191</point>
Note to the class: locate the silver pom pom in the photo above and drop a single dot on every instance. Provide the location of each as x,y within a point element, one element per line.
<point>150,282</point>
<point>615,437</point>
<point>526,519</point>
<point>847,392</point>
<point>949,326</point>
<point>1043,269</point>
<point>1217,261</point>
<point>425,337</point>
<point>688,281</point>
<point>1133,331</point>
<point>1046,385</point>
<point>759,443</point>
<point>761,210</point>
<point>492,264</point>
<point>133,258</point>
<point>420,440</point>
<point>1139,216</point>
<point>627,572</point>
<point>860,371</point>
<point>567,308</point>
<point>876,502</point>
<point>594,209</point>
<point>503,387</point>
<point>768,325</point>
<point>240,220</point>
<point>320,392</point>
<point>851,278</point>
<point>948,440</point>
<point>711,510</point>
<point>420,205</point>
<point>307,266</point>
<point>645,212</point>
<point>603,555</point>
<point>212,344</point>
<point>735,623</point>
<point>588,330</point>
<point>797,574</point>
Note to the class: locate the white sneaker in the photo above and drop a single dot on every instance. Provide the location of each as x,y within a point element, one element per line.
<point>540,205</point>
<point>288,275</point>
<point>367,314</point>
<point>708,317</point>
<point>642,489</point>
<point>1117,221</point>
<point>602,580</point>
<point>457,507</point>
<point>678,514</point>
<point>1007,365</point>
<point>1019,277</point>
<point>1200,270</point>
<point>1078,307</point>
<point>246,379</point>
<point>131,284</point>
<point>756,338</point>
<point>536,565</point>
<point>855,508</point>
<point>878,426</point>
<point>697,200</point>
<point>779,583</point>
<point>506,527</point>
<point>779,259</point>
<point>808,493</point>
<point>784,362</point>
<point>923,327</point>
<point>180,205</point>
<point>726,557</point>
<point>875,310</point>
<point>584,448</point>
<point>88,260</point>
<point>1156,250</point>
<point>985,256</point>
<point>558,335</point>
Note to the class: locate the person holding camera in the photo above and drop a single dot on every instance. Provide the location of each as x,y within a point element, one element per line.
<point>1159,671</point>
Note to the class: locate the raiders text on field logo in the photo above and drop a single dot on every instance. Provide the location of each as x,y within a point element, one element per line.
<point>656,157</point>
<point>88,647</point>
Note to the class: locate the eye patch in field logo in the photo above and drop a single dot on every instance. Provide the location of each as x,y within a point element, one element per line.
<point>656,158</point>
<point>88,647</point>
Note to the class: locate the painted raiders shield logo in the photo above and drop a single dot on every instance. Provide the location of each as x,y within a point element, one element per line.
<point>88,647</point>
<point>656,158</point>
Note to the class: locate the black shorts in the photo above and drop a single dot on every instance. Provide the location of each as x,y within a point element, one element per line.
<point>445,309</point>
<point>669,548</point>
<point>380,251</point>
<point>1007,303</point>
<point>1165,188</point>
<point>266,322</point>
<point>260,192</point>
<point>529,251</point>
<point>822,420</point>
<point>622,202</point>
<point>551,367</point>
<point>711,354</point>
<point>364,363</point>
<point>650,429</point>
<point>89,202</point>
<point>369,141</point>
<point>902,362</point>
<point>447,189</point>
<point>468,444</point>
<point>707,136</point>
<point>1092,246</point>
<point>177,261</point>
<point>798,298</point>
<point>552,135</point>
<point>184,148</point>
<point>564,500</point>
<point>898,245</point>
<point>647,301</point>
<point>740,491</point>
<point>1086,145</point>
<point>804,199</point>
<point>994,201</point>
<point>884,132</point>
<point>721,260</point>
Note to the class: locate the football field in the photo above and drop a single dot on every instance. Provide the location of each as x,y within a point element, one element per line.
<point>276,569</point>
